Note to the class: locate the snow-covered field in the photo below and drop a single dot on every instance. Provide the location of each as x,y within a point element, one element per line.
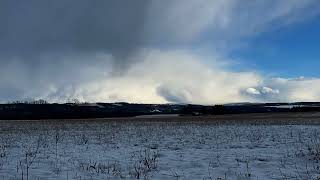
<point>136,149</point>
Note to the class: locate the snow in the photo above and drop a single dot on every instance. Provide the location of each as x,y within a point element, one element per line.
<point>292,106</point>
<point>155,111</point>
<point>113,149</point>
<point>157,116</point>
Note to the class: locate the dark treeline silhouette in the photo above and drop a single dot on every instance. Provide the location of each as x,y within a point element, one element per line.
<point>251,108</point>
<point>21,110</point>
<point>41,109</point>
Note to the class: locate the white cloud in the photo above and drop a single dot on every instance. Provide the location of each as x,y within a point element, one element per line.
<point>170,76</point>
<point>299,89</point>
<point>160,77</point>
<point>253,91</point>
<point>267,90</point>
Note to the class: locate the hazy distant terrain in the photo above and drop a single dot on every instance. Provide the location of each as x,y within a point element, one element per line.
<point>256,146</point>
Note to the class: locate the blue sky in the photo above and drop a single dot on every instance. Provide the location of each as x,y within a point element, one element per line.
<point>290,51</point>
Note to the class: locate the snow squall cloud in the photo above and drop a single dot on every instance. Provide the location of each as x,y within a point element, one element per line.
<point>137,51</point>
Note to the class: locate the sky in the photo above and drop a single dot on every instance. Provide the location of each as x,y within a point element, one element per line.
<point>168,51</point>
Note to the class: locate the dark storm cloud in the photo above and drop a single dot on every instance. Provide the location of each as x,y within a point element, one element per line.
<point>33,27</point>
<point>53,46</point>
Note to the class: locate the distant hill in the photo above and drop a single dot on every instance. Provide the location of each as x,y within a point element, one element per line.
<point>45,110</point>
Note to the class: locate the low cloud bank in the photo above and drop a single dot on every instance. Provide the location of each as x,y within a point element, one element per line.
<point>158,77</point>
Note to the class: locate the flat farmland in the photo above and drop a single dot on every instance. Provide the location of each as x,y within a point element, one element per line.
<point>245,146</point>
